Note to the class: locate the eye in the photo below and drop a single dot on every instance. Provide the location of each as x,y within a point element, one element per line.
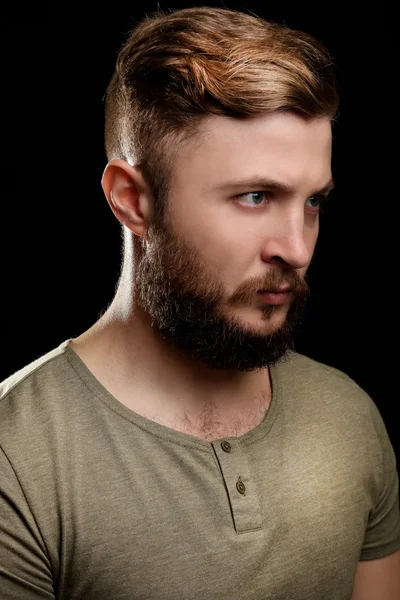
<point>258,198</point>
<point>317,202</point>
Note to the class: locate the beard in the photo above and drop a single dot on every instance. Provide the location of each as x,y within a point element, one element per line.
<point>187,306</point>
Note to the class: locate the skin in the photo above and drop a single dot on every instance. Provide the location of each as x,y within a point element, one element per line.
<point>215,249</point>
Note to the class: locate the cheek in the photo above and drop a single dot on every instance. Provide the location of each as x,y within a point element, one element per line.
<point>208,233</point>
<point>228,256</point>
<point>222,239</point>
<point>234,259</point>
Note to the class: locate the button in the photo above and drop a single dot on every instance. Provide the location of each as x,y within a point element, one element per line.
<point>241,488</point>
<point>226,447</point>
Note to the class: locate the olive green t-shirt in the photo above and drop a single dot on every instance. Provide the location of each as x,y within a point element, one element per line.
<point>98,502</point>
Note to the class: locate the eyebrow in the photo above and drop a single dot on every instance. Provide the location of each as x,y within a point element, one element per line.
<point>257,182</point>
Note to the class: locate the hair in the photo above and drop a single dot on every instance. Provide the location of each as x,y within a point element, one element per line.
<point>177,68</point>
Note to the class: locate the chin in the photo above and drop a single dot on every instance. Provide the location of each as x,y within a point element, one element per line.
<point>271,325</point>
<point>262,324</point>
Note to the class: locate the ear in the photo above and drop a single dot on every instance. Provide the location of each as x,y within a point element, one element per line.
<point>128,195</point>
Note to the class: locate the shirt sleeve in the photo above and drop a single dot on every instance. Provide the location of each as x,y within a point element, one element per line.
<point>25,570</point>
<point>383,532</point>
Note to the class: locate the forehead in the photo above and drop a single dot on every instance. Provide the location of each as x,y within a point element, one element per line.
<point>281,146</point>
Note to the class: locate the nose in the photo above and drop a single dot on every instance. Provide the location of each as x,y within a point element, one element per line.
<point>290,241</point>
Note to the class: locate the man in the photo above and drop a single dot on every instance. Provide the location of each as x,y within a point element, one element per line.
<point>180,448</point>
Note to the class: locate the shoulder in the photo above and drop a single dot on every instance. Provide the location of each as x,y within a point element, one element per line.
<point>330,405</point>
<point>23,393</point>
<point>308,373</point>
<point>37,366</point>
<point>328,393</point>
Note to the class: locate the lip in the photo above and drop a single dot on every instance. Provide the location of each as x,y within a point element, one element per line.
<point>275,297</point>
<point>280,290</point>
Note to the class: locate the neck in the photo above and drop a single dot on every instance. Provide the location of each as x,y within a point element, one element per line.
<point>125,354</point>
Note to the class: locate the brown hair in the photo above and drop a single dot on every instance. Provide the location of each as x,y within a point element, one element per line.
<point>176,68</point>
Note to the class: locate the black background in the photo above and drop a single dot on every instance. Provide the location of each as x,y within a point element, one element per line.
<point>60,243</point>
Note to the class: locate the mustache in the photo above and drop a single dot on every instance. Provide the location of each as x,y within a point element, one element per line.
<point>273,280</point>
<point>293,280</point>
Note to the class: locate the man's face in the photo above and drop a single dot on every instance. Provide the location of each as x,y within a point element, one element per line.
<point>200,272</point>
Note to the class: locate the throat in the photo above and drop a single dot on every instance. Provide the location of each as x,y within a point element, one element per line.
<point>211,425</point>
